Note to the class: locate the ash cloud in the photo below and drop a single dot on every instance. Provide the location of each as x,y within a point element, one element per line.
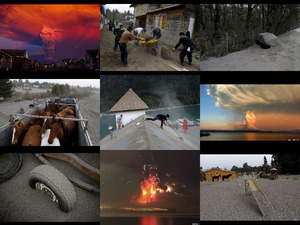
<point>257,98</point>
<point>48,37</point>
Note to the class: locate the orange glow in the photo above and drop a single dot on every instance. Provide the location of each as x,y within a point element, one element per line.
<point>149,193</point>
<point>149,186</point>
<point>67,21</point>
<point>149,220</point>
<point>250,120</point>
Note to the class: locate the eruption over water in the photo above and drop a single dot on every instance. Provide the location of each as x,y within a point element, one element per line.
<point>250,120</point>
<point>149,185</point>
<point>48,37</point>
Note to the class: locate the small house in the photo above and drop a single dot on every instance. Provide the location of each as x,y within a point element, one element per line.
<point>91,59</point>
<point>131,106</point>
<point>171,19</point>
<point>212,173</point>
<point>13,59</point>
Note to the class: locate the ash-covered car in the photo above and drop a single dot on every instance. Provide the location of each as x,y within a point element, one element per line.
<point>264,40</point>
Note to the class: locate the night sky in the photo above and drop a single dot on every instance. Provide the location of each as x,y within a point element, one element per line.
<point>122,173</point>
<point>50,32</point>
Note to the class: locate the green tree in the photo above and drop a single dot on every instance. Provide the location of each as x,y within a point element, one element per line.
<point>56,90</point>
<point>6,88</point>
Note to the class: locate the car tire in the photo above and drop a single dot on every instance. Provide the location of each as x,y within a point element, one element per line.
<point>59,185</point>
<point>10,165</point>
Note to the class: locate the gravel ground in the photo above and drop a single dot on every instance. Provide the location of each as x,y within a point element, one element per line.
<point>20,203</point>
<point>90,109</point>
<point>226,200</point>
<point>8,107</point>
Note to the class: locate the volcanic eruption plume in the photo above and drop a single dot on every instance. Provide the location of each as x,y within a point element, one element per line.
<point>48,37</point>
<point>149,185</point>
<point>250,120</point>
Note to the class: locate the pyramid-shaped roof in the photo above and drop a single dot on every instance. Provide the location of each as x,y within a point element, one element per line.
<point>130,101</point>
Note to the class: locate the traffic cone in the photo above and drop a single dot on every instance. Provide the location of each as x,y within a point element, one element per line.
<point>185,128</point>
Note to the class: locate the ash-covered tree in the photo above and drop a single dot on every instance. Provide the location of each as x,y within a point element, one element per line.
<point>6,88</point>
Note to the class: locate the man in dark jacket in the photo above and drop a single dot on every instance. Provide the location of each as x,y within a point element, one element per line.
<point>162,118</point>
<point>188,47</point>
<point>118,33</point>
<point>156,33</point>
<point>111,24</point>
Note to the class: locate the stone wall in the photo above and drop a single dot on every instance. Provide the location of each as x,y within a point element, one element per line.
<point>140,9</point>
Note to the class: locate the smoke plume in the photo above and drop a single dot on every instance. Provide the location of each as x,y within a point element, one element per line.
<point>48,37</point>
<point>265,107</point>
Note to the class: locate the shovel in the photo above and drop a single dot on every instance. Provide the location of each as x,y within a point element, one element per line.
<point>177,133</point>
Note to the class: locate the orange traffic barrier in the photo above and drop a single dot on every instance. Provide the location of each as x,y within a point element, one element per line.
<point>185,127</point>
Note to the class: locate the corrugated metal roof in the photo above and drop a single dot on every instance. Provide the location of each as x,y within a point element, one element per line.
<point>130,101</point>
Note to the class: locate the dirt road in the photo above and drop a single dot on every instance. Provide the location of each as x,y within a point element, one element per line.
<point>139,58</point>
<point>8,107</point>
<point>20,203</point>
<point>283,57</point>
<point>90,109</point>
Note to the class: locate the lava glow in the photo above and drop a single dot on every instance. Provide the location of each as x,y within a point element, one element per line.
<point>250,120</point>
<point>149,186</point>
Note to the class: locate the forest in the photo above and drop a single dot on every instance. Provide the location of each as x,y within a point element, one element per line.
<point>239,24</point>
<point>116,15</point>
<point>157,91</point>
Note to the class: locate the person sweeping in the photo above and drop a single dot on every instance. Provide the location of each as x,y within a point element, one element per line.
<point>163,118</point>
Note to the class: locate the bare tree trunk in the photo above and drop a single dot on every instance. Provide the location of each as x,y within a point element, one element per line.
<point>263,16</point>
<point>217,21</point>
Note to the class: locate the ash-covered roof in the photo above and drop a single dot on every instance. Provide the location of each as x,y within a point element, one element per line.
<point>130,101</point>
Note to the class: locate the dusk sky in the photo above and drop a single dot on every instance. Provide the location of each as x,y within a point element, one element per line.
<point>50,32</point>
<point>250,107</point>
<point>123,171</point>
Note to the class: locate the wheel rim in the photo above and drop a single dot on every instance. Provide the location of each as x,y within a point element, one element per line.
<point>42,187</point>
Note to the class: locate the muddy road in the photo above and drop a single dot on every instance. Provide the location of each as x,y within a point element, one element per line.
<point>139,58</point>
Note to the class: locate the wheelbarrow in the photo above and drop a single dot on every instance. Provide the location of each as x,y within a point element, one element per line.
<point>152,44</point>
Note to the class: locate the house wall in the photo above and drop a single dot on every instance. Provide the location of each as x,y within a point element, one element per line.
<point>177,20</point>
<point>129,116</point>
<point>172,27</point>
<point>140,9</point>
<point>21,64</point>
<point>211,173</point>
<point>6,63</point>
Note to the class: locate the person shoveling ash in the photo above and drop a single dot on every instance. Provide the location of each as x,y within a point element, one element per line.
<point>188,47</point>
<point>163,118</point>
<point>139,31</point>
<point>125,38</point>
<point>119,122</point>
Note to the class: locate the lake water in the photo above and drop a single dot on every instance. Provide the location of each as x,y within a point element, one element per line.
<point>250,136</point>
<point>149,220</point>
<point>189,112</point>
